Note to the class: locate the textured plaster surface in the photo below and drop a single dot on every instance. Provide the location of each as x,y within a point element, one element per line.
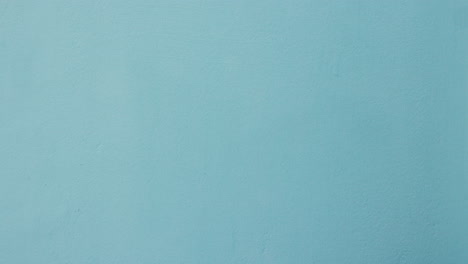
<point>247,131</point>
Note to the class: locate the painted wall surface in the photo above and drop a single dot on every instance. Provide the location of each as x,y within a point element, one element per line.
<point>247,131</point>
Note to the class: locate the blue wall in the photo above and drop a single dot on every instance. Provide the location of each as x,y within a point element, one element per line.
<point>247,131</point>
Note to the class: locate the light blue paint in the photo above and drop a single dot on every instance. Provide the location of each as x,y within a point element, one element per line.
<point>247,131</point>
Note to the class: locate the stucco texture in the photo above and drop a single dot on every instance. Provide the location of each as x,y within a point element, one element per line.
<point>243,131</point>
